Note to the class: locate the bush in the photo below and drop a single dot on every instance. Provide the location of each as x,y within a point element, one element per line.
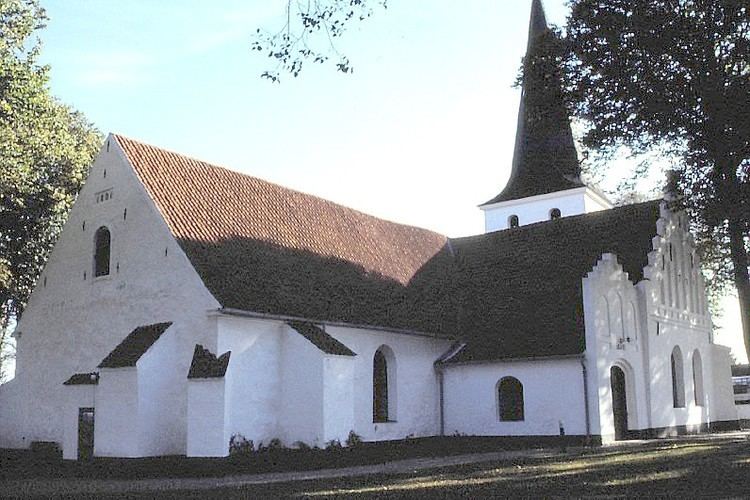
<point>353,440</point>
<point>301,445</point>
<point>275,445</point>
<point>239,446</point>
<point>333,445</point>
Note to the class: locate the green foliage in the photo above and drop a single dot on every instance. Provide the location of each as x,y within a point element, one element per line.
<point>353,439</point>
<point>674,76</point>
<point>309,33</point>
<point>239,446</point>
<point>334,445</point>
<point>45,150</point>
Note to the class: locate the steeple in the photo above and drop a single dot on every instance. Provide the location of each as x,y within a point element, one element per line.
<point>544,159</point>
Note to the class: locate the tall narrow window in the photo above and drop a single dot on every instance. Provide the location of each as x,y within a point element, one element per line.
<point>101,252</point>
<point>698,378</point>
<point>678,379</point>
<point>513,221</point>
<point>510,399</point>
<point>555,214</point>
<point>379,387</point>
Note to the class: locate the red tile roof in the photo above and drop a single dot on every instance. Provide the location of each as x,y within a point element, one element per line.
<point>265,248</point>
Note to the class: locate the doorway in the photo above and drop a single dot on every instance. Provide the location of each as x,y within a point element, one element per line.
<point>619,402</point>
<point>85,433</point>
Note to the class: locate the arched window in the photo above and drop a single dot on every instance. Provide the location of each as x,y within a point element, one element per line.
<point>513,221</point>
<point>510,399</point>
<point>678,379</point>
<point>383,385</point>
<point>101,252</point>
<point>698,378</point>
<point>555,214</point>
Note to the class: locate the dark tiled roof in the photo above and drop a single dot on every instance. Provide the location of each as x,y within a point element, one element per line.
<point>83,379</point>
<point>740,370</point>
<point>545,158</point>
<point>261,247</point>
<point>135,345</point>
<point>321,339</point>
<point>522,288</point>
<point>205,364</point>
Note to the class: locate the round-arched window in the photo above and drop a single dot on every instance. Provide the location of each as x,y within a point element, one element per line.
<point>513,221</point>
<point>555,214</point>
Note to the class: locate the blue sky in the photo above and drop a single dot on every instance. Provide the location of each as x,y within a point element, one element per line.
<point>420,133</point>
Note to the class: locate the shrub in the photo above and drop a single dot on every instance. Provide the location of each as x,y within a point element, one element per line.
<point>240,446</point>
<point>353,440</point>
<point>301,445</point>
<point>333,445</point>
<point>275,445</point>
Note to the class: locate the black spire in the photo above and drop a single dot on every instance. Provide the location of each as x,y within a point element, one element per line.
<point>545,158</point>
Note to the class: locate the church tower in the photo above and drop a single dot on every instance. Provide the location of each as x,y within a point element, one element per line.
<point>545,180</point>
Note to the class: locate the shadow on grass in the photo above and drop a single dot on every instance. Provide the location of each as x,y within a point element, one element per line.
<point>688,469</point>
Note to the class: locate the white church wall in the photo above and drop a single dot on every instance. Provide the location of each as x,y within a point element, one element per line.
<point>614,325</point>
<point>72,323</point>
<point>302,398</point>
<point>162,396</point>
<point>415,410</point>
<point>76,397</point>
<point>670,315</point>
<point>116,430</point>
<point>205,418</point>
<point>537,208</point>
<point>679,322</point>
<point>552,394</point>
<point>254,377</point>
<point>721,395</point>
<point>338,397</point>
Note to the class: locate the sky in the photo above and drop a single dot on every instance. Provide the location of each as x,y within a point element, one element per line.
<point>420,133</point>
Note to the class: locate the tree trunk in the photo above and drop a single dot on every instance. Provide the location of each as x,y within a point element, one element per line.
<point>741,278</point>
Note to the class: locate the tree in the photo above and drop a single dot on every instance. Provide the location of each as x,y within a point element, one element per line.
<point>45,150</point>
<point>309,33</point>
<point>674,74</point>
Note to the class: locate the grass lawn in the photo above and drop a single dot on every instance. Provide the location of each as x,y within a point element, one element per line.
<point>718,466</point>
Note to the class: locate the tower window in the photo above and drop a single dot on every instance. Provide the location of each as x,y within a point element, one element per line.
<point>513,221</point>
<point>555,214</point>
<point>101,252</point>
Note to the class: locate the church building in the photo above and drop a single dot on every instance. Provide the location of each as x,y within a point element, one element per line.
<point>184,304</point>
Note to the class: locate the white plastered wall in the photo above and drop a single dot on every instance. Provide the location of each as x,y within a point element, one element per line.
<point>537,208</point>
<point>671,311</point>
<point>72,323</point>
<point>279,385</point>
<point>552,392</point>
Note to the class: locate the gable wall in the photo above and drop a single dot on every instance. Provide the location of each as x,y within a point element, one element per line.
<point>637,327</point>
<point>72,323</point>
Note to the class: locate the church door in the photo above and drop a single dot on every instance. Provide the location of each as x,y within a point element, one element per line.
<point>619,402</point>
<point>85,433</point>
